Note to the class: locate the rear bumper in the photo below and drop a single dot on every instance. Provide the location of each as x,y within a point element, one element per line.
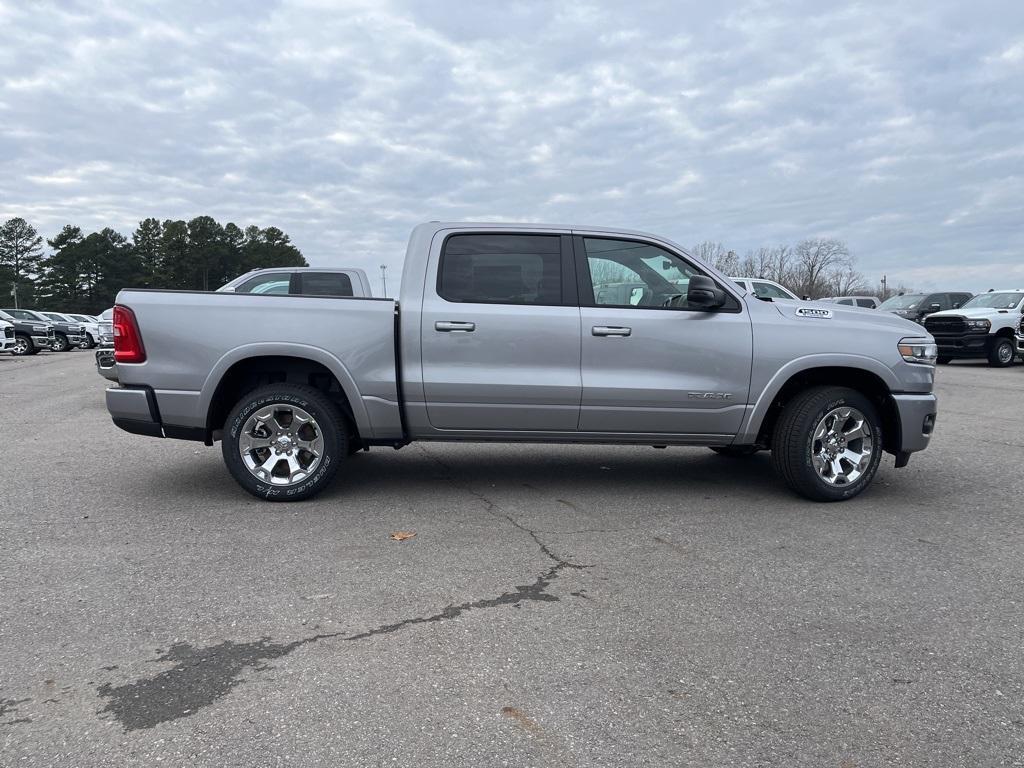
<point>134,409</point>
<point>917,421</point>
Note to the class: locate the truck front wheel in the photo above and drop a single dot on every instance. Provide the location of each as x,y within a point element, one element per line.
<point>284,442</point>
<point>1002,352</point>
<point>827,443</point>
<point>23,346</point>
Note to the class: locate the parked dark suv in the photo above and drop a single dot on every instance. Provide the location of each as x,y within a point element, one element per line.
<point>917,306</point>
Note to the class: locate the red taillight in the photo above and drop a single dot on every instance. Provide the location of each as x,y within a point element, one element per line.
<point>127,339</point>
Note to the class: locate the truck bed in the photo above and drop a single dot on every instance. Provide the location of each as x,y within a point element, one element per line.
<point>193,338</point>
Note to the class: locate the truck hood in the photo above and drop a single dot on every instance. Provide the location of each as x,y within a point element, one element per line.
<point>854,315</point>
<point>973,313</point>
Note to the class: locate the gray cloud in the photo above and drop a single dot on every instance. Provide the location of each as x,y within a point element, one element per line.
<point>896,126</point>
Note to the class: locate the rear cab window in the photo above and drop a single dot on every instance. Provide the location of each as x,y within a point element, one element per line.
<point>500,268</point>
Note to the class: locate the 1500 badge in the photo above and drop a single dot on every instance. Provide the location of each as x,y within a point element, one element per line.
<point>824,314</point>
<point>709,395</point>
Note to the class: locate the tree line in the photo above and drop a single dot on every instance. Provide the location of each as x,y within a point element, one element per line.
<point>816,267</point>
<point>83,272</point>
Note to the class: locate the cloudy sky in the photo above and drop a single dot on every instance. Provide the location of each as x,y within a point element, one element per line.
<point>898,127</point>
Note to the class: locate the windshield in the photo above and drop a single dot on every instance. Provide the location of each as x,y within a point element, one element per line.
<point>52,316</point>
<point>907,301</point>
<point>1000,300</point>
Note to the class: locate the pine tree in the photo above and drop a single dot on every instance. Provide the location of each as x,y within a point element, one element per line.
<point>21,252</point>
<point>146,245</point>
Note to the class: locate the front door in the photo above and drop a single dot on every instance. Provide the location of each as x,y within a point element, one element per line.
<point>650,364</point>
<point>501,335</point>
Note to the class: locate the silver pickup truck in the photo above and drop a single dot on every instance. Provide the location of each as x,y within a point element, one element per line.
<point>509,333</point>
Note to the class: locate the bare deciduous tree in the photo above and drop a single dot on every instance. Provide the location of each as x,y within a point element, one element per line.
<point>817,259</point>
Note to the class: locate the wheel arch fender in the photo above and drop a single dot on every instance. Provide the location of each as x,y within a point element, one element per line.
<point>804,365</point>
<point>287,349</point>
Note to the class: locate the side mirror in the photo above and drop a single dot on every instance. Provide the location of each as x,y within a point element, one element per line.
<point>934,307</point>
<point>805,297</point>
<point>229,289</point>
<point>704,293</point>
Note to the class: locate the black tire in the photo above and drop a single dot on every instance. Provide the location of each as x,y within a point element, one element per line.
<point>328,419</point>
<point>735,451</point>
<point>61,343</point>
<point>793,440</point>
<point>1002,353</point>
<point>943,360</point>
<point>90,342</point>
<point>27,348</point>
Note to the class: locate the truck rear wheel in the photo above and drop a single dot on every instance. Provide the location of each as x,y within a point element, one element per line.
<point>284,442</point>
<point>1002,352</point>
<point>827,443</point>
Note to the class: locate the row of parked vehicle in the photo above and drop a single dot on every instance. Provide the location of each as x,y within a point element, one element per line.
<point>28,331</point>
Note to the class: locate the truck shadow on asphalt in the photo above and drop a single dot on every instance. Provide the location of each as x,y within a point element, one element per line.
<point>679,472</point>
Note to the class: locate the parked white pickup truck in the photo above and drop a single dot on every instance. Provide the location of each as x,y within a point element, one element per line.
<point>511,333</point>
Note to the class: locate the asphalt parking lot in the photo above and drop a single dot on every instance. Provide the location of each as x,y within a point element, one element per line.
<point>559,605</point>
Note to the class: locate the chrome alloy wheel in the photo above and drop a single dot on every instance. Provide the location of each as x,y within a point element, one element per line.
<point>20,345</point>
<point>842,446</point>
<point>281,444</point>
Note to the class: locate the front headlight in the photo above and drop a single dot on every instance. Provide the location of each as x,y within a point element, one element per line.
<point>919,351</point>
<point>978,325</point>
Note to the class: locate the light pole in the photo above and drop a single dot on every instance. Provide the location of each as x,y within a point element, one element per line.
<point>384,278</point>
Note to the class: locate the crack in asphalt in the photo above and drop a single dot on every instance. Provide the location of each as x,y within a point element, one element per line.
<point>10,706</point>
<point>201,675</point>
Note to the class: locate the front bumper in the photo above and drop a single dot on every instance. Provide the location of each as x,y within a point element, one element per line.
<point>917,422</point>
<point>1020,345</point>
<point>963,345</point>
<point>44,342</point>
<point>105,365</point>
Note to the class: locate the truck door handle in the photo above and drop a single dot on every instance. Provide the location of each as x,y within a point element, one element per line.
<point>610,330</point>
<point>448,326</point>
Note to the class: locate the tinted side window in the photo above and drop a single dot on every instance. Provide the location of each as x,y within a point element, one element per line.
<point>276,283</point>
<point>501,269</point>
<point>325,284</point>
<point>866,303</point>
<point>846,302</point>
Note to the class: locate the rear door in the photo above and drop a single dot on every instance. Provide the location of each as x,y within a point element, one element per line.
<point>658,366</point>
<point>500,335</point>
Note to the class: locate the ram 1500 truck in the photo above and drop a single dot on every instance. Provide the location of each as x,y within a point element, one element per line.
<point>507,333</point>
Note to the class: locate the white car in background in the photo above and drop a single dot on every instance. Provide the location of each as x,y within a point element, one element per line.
<point>865,302</point>
<point>6,336</point>
<point>105,365</point>
<point>92,328</point>
<point>301,281</point>
<point>764,289</point>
